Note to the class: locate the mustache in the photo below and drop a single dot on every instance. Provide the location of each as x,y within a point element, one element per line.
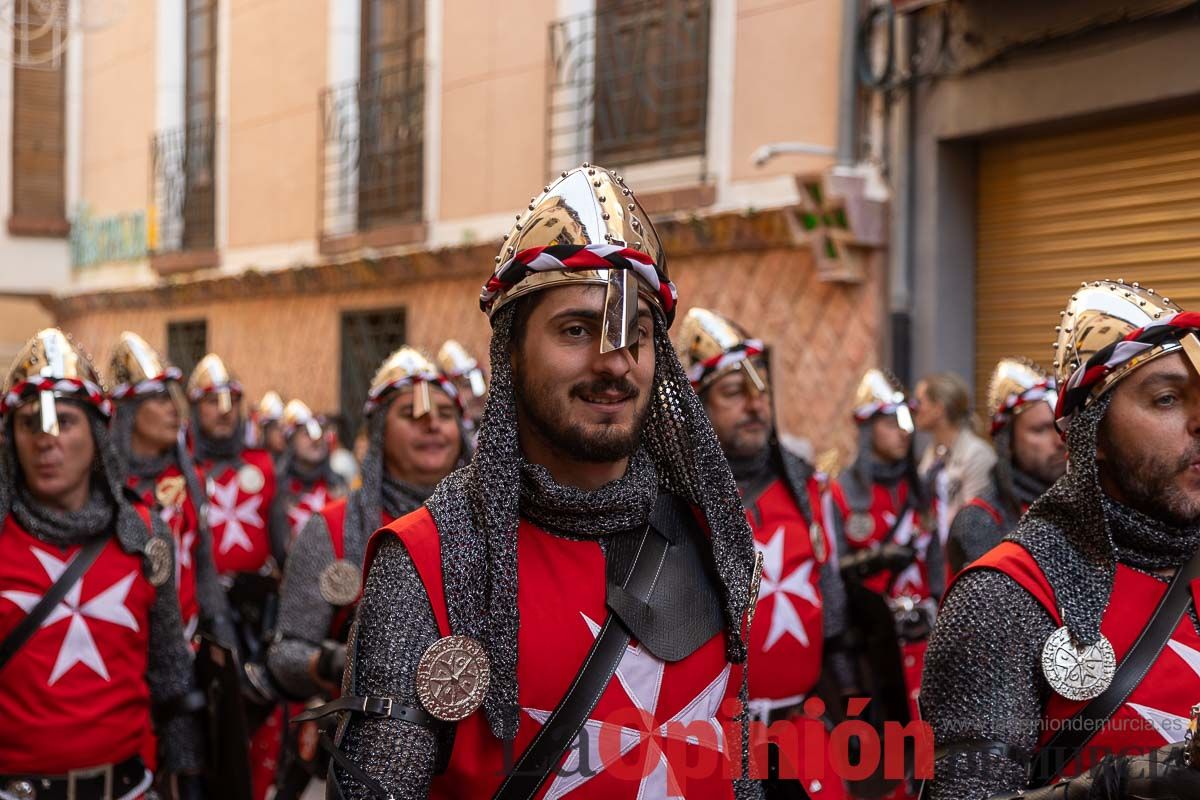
<point>1187,459</point>
<point>753,418</point>
<point>622,386</point>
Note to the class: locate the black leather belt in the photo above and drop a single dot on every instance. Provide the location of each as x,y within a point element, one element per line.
<point>106,782</point>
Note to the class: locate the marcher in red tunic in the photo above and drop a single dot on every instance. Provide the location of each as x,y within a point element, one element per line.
<point>240,487</point>
<point>106,663</point>
<point>150,406</point>
<point>1030,456</point>
<point>1065,706</point>
<point>414,426</point>
<point>801,601</point>
<point>598,507</point>
<point>305,481</point>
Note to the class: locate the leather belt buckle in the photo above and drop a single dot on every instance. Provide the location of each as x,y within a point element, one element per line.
<point>91,773</point>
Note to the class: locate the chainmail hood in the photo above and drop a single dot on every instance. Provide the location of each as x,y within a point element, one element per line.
<point>477,511</point>
<point>867,470</point>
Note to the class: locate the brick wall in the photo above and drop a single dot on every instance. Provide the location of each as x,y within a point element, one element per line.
<point>823,335</point>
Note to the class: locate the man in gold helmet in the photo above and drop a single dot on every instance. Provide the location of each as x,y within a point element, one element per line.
<point>588,570</point>
<point>802,599</point>
<point>1085,617</point>
<point>463,369</point>
<point>268,425</point>
<point>146,432</point>
<point>306,482</point>
<point>1030,456</point>
<point>93,664</point>
<point>240,489</point>
<point>414,426</point>
<point>885,522</point>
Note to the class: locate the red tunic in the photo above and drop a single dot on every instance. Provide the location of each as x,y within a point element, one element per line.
<point>75,695</point>
<point>179,513</point>
<point>787,639</point>
<point>914,530</point>
<point>1157,711</point>
<point>561,590</point>
<point>239,503</point>
<point>304,502</point>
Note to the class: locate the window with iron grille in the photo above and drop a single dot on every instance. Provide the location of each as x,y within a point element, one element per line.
<point>187,343</point>
<point>368,337</point>
<point>629,84</point>
<point>38,120</point>
<point>182,160</point>
<point>373,154</point>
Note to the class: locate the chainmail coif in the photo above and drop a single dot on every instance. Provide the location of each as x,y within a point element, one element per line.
<point>477,510</point>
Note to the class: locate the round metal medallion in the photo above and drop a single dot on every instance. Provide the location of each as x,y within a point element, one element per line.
<point>452,678</point>
<point>820,552</point>
<point>250,479</point>
<point>860,527</point>
<point>340,583</point>
<point>157,555</point>
<point>171,492</point>
<point>1078,673</point>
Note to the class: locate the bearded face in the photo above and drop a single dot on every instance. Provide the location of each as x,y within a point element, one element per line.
<point>1149,444</point>
<point>579,403</point>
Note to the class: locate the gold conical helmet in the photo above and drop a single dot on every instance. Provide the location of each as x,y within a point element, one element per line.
<point>270,408</point>
<point>50,366</point>
<point>1016,384</point>
<point>407,367</point>
<point>136,368</point>
<point>880,392</point>
<point>711,346</point>
<point>211,376</point>
<point>457,363</point>
<point>1110,328</point>
<point>586,228</point>
<point>297,415</point>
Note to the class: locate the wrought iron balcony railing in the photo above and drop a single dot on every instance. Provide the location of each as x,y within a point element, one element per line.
<point>372,155</point>
<point>183,188</point>
<point>628,84</point>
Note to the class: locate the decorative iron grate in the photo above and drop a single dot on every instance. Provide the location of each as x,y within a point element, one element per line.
<point>183,189</point>
<point>628,85</point>
<point>372,157</point>
<point>368,337</point>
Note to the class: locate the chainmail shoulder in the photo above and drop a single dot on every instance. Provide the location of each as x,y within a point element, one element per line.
<point>169,673</point>
<point>395,626</point>
<point>214,605</point>
<point>304,615</point>
<point>986,620</point>
<point>974,531</point>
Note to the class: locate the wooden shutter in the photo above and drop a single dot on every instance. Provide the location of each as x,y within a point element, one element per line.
<point>1118,200</point>
<point>39,135</point>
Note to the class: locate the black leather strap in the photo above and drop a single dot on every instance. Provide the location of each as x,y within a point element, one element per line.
<point>543,753</point>
<point>982,747</point>
<point>24,629</point>
<point>353,770</point>
<point>1065,745</point>
<point>383,707</point>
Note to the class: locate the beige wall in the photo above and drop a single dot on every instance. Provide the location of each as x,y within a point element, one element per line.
<point>785,82</point>
<point>278,67</point>
<point>493,105</point>
<point>20,319</point>
<point>118,111</point>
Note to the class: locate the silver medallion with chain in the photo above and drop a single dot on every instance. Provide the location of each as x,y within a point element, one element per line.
<point>1078,672</point>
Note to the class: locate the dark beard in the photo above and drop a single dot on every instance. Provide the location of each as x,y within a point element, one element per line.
<point>1147,485</point>
<point>554,425</point>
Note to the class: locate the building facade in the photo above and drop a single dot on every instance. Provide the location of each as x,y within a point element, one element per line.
<point>1052,143</point>
<point>303,185</point>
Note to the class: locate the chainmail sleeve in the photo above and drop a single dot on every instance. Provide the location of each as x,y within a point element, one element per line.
<point>972,534</point>
<point>833,600</point>
<point>170,677</point>
<point>304,615</point>
<point>983,683</point>
<point>395,625</point>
